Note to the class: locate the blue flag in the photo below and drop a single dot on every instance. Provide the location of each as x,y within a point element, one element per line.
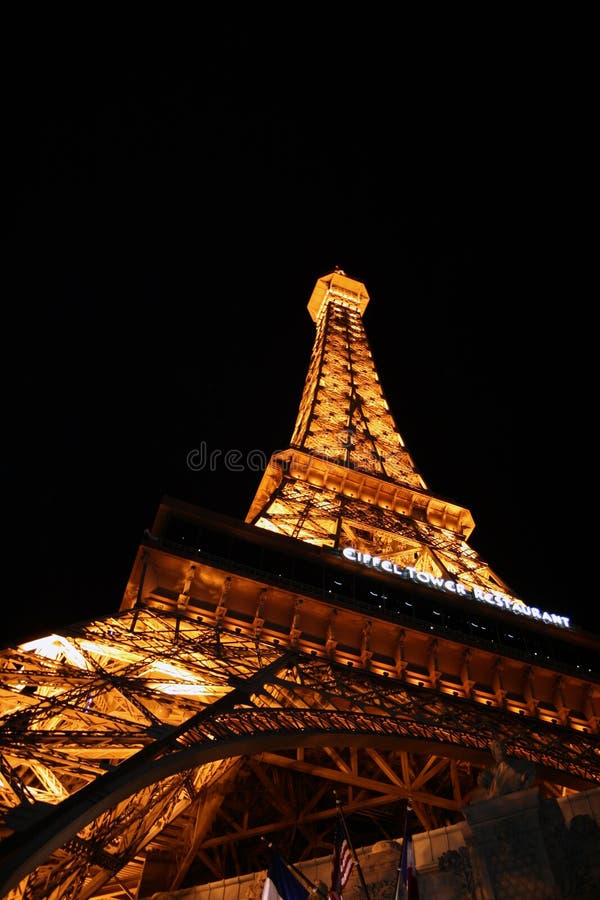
<point>281,884</point>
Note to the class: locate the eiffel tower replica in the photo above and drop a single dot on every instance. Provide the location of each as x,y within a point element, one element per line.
<point>344,645</point>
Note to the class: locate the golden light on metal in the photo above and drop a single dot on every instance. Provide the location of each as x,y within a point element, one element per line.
<point>230,696</point>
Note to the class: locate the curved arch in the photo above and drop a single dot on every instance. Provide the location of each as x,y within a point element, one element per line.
<point>248,733</point>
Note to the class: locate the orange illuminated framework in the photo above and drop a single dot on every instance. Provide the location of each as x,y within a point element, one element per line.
<point>348,481</point>
<point>343,645</point>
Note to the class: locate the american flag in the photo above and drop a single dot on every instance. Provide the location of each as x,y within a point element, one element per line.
<point>342,863</point>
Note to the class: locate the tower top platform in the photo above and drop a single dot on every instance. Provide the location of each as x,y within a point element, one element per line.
<point>338,285</point>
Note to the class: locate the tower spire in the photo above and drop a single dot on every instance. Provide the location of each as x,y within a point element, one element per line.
<point>347,478</point>
<point>344,416</point>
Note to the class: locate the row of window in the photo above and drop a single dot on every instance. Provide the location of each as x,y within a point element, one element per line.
<point>371,594</point>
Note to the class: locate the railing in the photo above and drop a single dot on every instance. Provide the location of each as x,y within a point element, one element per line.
<point>494,645</point>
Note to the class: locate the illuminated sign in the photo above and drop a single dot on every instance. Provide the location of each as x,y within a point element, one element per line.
<point>493,598</point>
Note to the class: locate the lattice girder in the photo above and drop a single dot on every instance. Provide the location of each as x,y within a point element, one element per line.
<point>273,704</point>
<point>234,699</point>
<point>318,515</point>
<point>348,462</point>
<point>343,414</point>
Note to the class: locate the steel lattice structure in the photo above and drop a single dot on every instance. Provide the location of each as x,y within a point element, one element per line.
<point>228,702</point>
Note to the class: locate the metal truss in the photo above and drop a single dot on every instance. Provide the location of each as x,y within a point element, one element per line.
<point>348,474</point>
<point>343,414</point>
<point>148,743</point>
<point>154,749</point>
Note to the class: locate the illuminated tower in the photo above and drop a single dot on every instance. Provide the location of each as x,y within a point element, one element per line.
<point>343,643</point>
<point>348,478</point>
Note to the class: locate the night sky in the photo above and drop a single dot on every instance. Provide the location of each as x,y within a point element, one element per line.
<point>174,213</point>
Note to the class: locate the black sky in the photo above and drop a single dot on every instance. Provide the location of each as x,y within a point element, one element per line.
<point>174,212</point>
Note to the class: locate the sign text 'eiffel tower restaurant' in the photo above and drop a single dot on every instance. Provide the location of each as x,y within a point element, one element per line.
<point>449,586</point>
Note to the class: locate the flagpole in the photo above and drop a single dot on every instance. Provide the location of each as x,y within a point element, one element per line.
<point>313,887</point>
<point>402,851</point>
<point>352,850</point>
